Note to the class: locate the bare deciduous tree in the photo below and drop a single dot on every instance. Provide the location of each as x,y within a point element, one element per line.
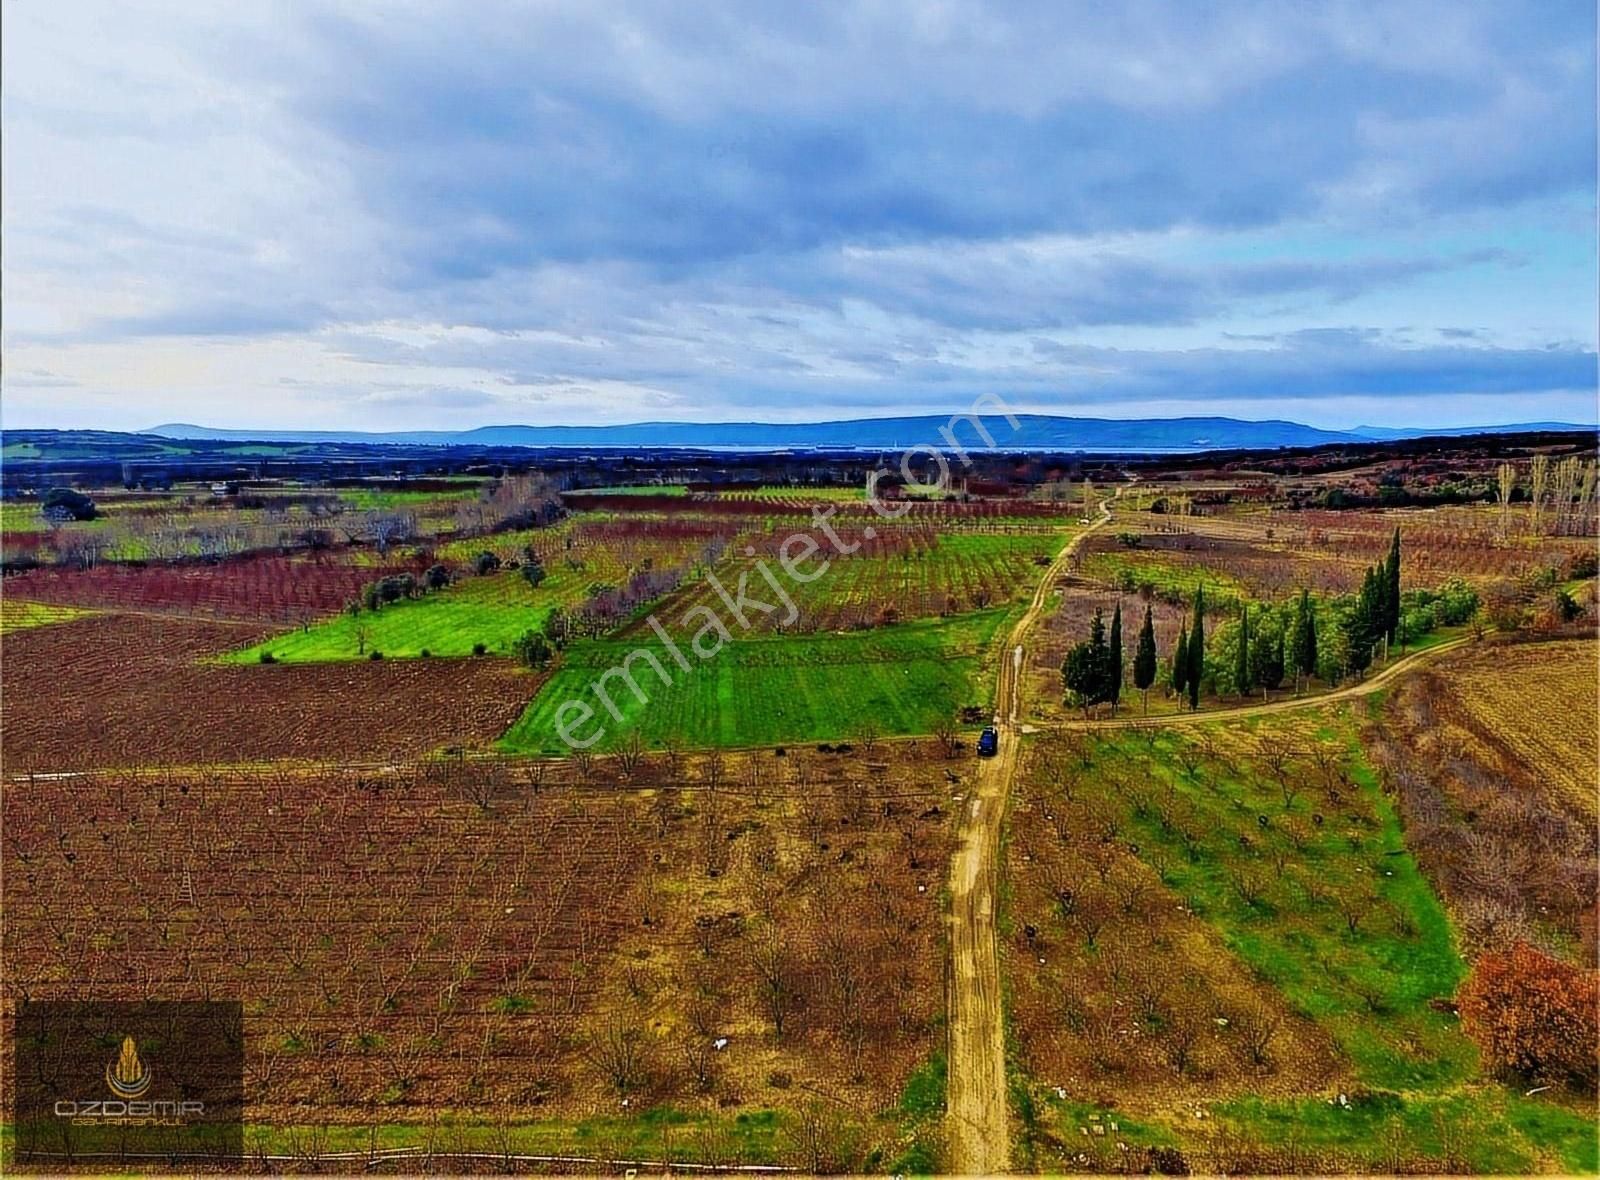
<point>618,1051</point>
<point>773,965</point>
<point>1256,1025</point>
<point>630,754</point>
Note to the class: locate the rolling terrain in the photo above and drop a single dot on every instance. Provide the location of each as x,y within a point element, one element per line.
<point>1231,937</point>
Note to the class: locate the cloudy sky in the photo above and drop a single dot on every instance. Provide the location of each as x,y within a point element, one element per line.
<point>383,216</point>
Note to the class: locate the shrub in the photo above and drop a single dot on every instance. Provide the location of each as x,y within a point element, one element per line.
<point>532,649</point>
<point>375,654</point>
<point>268,658</point>
<point>486,563</point>
<point>66,504</point>
<point>478,649</point>
<point>533,569</point>
<point>436,577</point>
<point>1533,1015</point>
<point>396,586</point>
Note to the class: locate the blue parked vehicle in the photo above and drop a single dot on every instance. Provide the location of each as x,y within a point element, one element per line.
<point>989,742</point>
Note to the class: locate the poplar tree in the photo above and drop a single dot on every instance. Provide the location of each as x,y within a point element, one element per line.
<point>1144,658</point>
<point>1311,640</point>
<point>1364,625</point>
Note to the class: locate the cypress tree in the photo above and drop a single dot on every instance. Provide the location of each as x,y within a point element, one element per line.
<point>1086,671</point>
<point>1197,648</point>
<point>1269,665</point>
<point>1114,661</point>
<point>1144,658</point>
<point>1180,661</point>
<point>1364,626</point>
<point>1391,573</point>
<point>1241,657</point>
<point>1304,643</point>
<point>1311,641</point>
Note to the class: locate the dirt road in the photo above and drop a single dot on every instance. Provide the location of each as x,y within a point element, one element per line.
<point>976,1097</point>
<point>1360,688</point>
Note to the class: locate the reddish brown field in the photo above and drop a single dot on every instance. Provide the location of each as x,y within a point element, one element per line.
<point>260,587</point>
<point>487,935</point>
<point>130,690</point>
<point>1277,552</point>
<point>395,944</point>
<point>799,506</point>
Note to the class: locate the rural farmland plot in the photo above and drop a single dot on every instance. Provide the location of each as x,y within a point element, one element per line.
<point>908,678</point>
<point>717,928</point>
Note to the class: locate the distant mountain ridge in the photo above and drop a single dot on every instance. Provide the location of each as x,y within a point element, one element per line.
<point>1033,432</point>
<point>1385,433</point>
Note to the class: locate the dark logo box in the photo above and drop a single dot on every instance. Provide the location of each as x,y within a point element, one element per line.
<point>97,1083</point>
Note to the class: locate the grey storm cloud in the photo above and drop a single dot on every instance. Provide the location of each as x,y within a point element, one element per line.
<point>768,202</point>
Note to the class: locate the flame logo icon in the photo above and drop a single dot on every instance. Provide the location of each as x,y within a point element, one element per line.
<point>127,1075</point>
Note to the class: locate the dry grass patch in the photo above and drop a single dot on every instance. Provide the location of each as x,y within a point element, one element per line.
<point>1493,754</point>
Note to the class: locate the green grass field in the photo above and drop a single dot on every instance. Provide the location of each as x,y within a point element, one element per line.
<point>802,493</point>
<point>1313,889</point>
<point>21,515</point>
<point>1369,987</point>
<point>950,574</point>
<point>775,689</point>
<point>1485,1129</point>
<point>367,499</point>
<point>17,615</point>
<point>1131,571</point>
<point>492,610</point>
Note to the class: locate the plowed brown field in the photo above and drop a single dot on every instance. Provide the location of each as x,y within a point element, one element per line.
<point>131,690</point>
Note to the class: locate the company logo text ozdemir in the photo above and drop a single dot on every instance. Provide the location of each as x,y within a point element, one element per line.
<point>129,1077</point>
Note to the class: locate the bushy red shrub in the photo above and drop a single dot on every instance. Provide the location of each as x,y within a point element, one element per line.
<point>1534,1015</point>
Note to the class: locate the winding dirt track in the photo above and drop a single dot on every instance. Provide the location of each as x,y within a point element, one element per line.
<point>976,1099</point>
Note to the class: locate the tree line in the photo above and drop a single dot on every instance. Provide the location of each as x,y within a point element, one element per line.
<point>1268,645</point>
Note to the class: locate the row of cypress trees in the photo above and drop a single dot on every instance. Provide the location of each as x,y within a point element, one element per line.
<point>1093,669</point>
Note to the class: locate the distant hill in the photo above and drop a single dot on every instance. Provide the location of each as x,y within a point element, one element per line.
<point>1034,432</point>
<point>1385,433</point>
